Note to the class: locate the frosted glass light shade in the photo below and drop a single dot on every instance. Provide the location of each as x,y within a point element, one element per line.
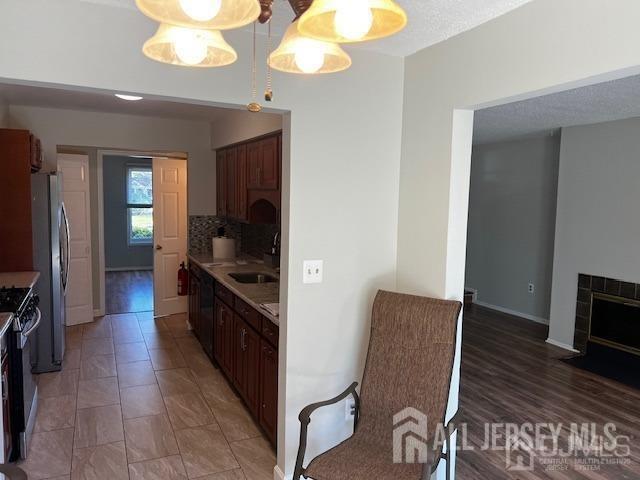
<point>189,47</point>
<point>326,19</point>
<point>232,13</point>
<point>299,54</point>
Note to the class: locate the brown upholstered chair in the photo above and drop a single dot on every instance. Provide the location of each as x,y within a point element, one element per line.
<point>409,364</point>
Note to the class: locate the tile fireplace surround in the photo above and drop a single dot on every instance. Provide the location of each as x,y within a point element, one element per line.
<point>587,284</point>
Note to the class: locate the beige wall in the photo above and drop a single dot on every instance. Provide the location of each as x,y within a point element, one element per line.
<point>86,132</point>
<point>239,125</point>
<point>341,168</point>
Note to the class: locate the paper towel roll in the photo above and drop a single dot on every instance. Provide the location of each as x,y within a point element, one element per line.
<point>224,248</point>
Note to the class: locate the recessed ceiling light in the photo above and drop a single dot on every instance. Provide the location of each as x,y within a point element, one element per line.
<point>130,98</point>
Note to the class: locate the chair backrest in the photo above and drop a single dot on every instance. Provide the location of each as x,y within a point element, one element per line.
<point>409,363</point>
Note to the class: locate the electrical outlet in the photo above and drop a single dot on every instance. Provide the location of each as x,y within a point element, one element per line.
<point>349,409</point>
<point>312,271</point>
<point>532,288</point>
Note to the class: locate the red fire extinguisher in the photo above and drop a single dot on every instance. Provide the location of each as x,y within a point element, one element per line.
<point>183,280</point>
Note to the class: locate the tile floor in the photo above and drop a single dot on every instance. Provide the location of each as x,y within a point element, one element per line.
<point>138,399</point>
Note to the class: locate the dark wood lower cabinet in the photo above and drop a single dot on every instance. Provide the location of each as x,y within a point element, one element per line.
<point>242,342</point>
<point>223,338</point>
<point>269,390</point>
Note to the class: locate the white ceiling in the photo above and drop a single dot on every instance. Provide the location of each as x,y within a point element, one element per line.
<point>430,21</point>
<point>603,102</point>
<point>106,102</point>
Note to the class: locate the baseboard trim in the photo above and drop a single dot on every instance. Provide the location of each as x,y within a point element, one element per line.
<point>98,313</point>
<point>564,346</point>
<point>127,269</point>
<point>508,311</point>
<point>278,474</point>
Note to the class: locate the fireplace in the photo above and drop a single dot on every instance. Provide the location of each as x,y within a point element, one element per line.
<point>623,295</point>
<point>615,322</point>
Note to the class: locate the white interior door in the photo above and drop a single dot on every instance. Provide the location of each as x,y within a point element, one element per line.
<point>76,197</point>
<point>169,233</point>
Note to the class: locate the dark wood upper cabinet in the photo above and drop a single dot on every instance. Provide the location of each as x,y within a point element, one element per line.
<point>247,173</point>
<point>241,183</point>
<point>221,183</point>
<point>270,163</point>
<point>264,164</point>
<point>253,165</point>
<point>20,155</point>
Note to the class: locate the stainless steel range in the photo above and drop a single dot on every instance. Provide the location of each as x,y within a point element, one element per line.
<point>23,303</point>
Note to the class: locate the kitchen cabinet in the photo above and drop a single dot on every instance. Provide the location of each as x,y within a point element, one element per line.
<point>241,341</point>
<point>247,364</point>
<point>268,414</point>
<point>241,183</point>
<point>223,338</point>
<point>221,183</point>
<point>248,172</point>
<point>263,163</point>
<point>231,158</point>
<point>20,155</point>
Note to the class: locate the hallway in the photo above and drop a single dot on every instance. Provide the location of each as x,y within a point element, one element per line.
<point>138,399</point>
<point>129,292</point>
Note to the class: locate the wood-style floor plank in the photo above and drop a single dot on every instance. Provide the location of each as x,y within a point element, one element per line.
<point>511,375</point>
<point>129,292</point>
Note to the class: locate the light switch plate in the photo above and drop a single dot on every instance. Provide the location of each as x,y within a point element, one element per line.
<point>312,271</point>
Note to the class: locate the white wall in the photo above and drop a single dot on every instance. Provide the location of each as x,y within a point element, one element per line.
<point>341,171</point>
<point>512,219</point>
<point>542,47</point>
<point>240,125</point>
<point>92,131</point>
<point>128,132</point>
<point>597,228</point>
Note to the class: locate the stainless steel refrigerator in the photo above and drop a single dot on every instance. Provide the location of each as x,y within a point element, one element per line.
<point>51,258</point>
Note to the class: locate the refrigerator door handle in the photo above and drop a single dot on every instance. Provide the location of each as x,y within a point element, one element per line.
<point>65,279</point>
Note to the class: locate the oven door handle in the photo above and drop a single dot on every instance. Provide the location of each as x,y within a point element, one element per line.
<point>24,336</point>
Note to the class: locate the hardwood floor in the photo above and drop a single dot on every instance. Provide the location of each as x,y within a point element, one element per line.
<point>129,292</point>
<point>510,375</point>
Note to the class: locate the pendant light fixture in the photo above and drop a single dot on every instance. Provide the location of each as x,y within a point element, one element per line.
<point>189,47</point>
<point>347,21</point>
<point>207,14</point>
<point>299,54</point>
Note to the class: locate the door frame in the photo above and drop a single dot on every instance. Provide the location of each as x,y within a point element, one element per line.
<point>101,310</point>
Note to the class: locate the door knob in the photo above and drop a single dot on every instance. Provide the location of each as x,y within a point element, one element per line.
<point>158,247</point>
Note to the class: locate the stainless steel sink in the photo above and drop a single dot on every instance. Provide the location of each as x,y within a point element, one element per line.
<point>253,277</point>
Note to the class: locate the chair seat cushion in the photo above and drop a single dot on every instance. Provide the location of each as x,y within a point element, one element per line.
<point>358,459</point>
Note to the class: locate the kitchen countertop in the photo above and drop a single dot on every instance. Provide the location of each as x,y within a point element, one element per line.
<point>5,322</point>
<point>254,294</point>
<point>18,279</point>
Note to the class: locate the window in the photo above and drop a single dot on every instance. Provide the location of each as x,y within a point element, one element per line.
<point>140,205</point>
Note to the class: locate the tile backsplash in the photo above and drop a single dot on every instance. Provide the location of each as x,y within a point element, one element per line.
<point>252,240</point>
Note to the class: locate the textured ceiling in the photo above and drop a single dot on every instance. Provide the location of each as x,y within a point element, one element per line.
<point>99,102</point>
<point>430,21</point>
<point>603,102</point>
